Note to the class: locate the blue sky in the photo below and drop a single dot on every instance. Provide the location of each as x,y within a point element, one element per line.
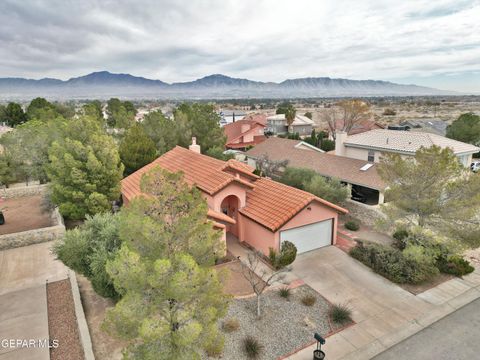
<point>431,43</point>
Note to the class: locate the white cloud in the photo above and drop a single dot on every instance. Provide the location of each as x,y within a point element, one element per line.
<point>258,39</point>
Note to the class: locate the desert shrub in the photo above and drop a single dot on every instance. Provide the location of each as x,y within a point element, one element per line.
<point>455,265</point>
<point>252,347</point>
<point>215,347</point>
<point>87,249</point>
<point>297,177</point>
<point>309,300</point>
<point>340,314</point>
<point>327,188</point>
<point>327,145</point>
<point>352,225</point>
<point>389,112</point>
<point>284,292</point>
<point>287,255</point>
<point>400,235</point>
<point>415,266</point>
<point>231,325</point>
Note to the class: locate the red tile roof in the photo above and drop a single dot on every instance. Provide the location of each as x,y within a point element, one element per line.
<point>234,132</point>
<point>272,204</point>
<point>269,203</point>
<point>202,171</point>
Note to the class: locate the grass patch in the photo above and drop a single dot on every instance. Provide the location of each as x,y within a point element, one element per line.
<point>352,225</point>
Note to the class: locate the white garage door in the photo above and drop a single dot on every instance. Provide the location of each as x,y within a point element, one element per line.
<point>309,237</point>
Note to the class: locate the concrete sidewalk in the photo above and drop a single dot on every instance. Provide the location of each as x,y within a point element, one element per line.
<point>384,313</point>
<point>23,298</point>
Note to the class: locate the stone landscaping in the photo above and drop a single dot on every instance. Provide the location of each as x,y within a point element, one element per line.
<point>285,326</point>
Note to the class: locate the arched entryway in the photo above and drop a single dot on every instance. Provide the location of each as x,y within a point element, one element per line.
<point>230,207</point>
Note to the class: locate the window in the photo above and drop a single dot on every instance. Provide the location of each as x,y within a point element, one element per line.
<point>371,156</point>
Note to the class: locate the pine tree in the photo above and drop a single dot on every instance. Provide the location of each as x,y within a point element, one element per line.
<point>136,149</point>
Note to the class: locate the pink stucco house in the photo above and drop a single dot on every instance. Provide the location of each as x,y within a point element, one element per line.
<point>255,210</point>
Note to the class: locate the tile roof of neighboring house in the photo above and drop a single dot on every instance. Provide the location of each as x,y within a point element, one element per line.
<point>269,203</point>
<point>259,118</point>
<point>406,141</point>
<point>326,164</point>
<point>272,204</point>
<point>299,119</point>
<point>202,171</point>
<point>233,131</point>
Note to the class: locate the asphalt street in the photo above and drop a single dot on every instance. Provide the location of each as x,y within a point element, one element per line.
<point>455,337</point>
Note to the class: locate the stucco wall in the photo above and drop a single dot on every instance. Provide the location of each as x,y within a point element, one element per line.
<point>317,212</point>
<point>215,201</point>
<point>256,235</point>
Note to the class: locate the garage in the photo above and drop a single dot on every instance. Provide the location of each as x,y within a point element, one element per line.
<point>309,237</point>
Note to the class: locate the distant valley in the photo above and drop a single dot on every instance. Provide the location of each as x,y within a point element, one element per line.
<point>104,84</point>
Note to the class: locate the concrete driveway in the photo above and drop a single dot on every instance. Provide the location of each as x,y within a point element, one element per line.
<point>379,306</point>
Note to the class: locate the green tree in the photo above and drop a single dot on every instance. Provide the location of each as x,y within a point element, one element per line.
<point>169,307</point>
<point>290,114</point>
<point>432,190</point>
<point>87,249</point>
<point>94,110</point>
<point>327,188</point>
<point>283,107</point>
<point>40,108</point>
<point>121,114</point>
<point>327,145</point>
<point>136,149</point>
<point>309,115</point>
<point>7,170</point>
<point>204,123</point>
<point>217,153</point>
<point>171,296</point>
<point>161,130</point>
<point>297,177</point>
<point>172,219</point>
<point>85,170</point>
<point>466,128</point>
<point>14,115</point>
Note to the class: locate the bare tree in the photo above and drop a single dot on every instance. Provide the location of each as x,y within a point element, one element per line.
<point>254,271</point>
<point>348,113</point>
<point>267,167</point>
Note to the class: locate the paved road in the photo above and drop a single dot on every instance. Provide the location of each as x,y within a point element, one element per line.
<point>455,337</point>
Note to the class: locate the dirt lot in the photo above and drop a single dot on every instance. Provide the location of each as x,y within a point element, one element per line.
<point>105,347</point>
<point>22,214</point>
<point>234,283</point>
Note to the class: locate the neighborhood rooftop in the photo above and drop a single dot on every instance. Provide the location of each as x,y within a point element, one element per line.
<point>406,141</point>
<point>340,167</point>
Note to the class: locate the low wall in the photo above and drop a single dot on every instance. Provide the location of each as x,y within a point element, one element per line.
<point>22,191</point>
<point>30,237</point>
<point>366,214</point>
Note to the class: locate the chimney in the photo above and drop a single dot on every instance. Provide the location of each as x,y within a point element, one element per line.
<point>194,147</point>
<point>340,137</point>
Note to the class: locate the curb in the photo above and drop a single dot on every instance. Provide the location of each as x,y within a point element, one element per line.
<point>81,321</point>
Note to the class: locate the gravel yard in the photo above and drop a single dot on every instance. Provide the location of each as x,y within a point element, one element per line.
<point>285,326</point>
<point>62,322</point>
<point>23,214</point>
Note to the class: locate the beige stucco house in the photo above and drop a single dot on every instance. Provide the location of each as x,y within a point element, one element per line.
<point>369,146</point>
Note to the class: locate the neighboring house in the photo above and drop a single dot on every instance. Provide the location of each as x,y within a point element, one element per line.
<point>257,211</point>
<point>369,146</point>
<point>359,175</point>
<point>438,127</point>
<point>277,125</point>
<point>357,128</point>
<point>243,133</point>
<point>230,116</point>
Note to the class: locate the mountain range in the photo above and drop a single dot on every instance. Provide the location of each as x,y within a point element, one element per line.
<point>104,84</point>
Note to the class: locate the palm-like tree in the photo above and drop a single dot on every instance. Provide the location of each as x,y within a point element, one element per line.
<point>290,114</point>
